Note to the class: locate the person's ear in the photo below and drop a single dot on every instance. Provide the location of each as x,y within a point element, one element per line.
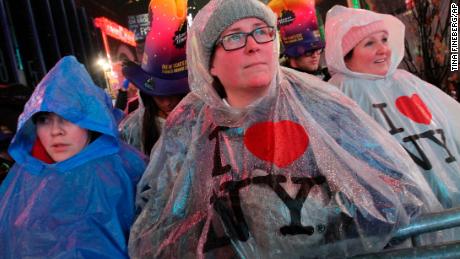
<point>212,72</point>
<point>212,69</point>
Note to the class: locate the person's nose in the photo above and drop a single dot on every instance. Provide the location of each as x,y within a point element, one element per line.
<point>251,44</point>
<point>382,48</point>
<point>57,128</point>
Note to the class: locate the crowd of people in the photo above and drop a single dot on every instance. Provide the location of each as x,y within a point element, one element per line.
<point>231,153</point>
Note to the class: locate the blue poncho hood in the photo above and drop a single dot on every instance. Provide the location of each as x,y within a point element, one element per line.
<point>68,91</point>
<point>81,207</point>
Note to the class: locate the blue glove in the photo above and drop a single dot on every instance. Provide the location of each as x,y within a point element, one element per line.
<point>125,84</point>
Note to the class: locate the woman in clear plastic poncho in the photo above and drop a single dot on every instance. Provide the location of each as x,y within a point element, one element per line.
<point>71,192</point>
<point>290,167</point>
<point>142,127</point>
<point>162,76</point>
<point>363,50</point>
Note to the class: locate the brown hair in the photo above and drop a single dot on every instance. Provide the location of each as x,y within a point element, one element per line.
<point>150,131</point>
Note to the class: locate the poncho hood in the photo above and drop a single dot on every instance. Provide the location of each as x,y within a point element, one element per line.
<point>68,91</point>
<point>202,82</point>
<point>339,20</point>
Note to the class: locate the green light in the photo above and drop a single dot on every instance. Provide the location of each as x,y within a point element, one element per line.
<point>355,4</point>
<point>18,58</point>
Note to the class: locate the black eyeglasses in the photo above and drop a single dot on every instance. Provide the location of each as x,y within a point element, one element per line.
<point>238,40</point>
<point>310,53</point>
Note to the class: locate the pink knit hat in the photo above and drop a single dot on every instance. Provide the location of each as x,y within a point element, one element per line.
<point>358,33</point>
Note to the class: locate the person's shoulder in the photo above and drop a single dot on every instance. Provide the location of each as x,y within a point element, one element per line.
<point>337,79</point>
<point>298,78</point>
<point>127,150</point>
<point>186,113</point>
<point>305,83</point>
<point>8,176</point>
<point>134,118</point>
<point>398,73</point>
<point>133,160</point>
<point>407,79</point>
<point>312,90</point>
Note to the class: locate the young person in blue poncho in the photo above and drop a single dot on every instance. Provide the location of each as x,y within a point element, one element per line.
<point>71,192</point>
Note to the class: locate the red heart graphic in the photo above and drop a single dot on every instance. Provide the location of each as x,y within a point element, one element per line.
<point>278,142</point>
<point>414,108</point>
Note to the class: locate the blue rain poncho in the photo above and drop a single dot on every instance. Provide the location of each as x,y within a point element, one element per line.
<point>301,172</point>
<point>422,118</point>
<point>81,207</point>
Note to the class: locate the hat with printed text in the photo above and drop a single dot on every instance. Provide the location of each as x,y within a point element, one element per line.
<point>298,26</point>
<point>163,70</point>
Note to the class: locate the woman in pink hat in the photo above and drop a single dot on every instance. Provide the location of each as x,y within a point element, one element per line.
<point>364,49</point>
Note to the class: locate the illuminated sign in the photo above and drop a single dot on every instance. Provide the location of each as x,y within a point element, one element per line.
<point>115,30</point>
<point>140,25</point>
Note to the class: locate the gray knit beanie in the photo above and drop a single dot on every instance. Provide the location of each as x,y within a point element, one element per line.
<point>228,13</point>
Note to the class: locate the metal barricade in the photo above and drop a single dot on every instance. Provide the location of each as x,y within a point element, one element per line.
<point>427,223</point>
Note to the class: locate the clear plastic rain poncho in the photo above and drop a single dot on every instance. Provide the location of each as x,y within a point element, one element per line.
<point>160,51</point>
<point>422,118</point>
<point>301,172</point>
<point>81,207</point>
<point>130,127</point>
